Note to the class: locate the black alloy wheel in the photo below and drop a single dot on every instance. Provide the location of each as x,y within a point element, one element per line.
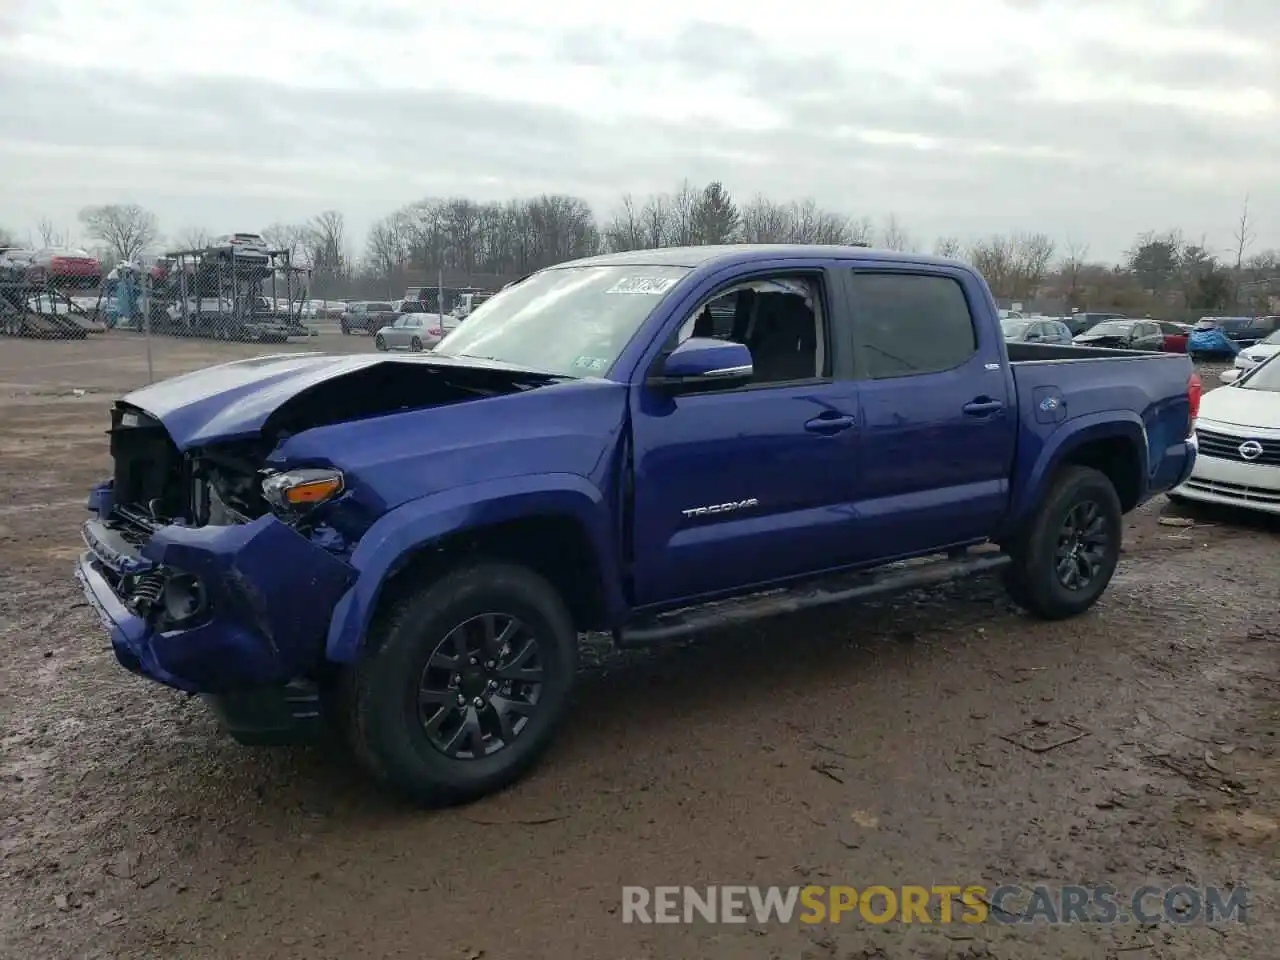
<point>480,687</point>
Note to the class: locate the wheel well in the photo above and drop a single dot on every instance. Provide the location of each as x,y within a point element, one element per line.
<point>1119,460</point>
<point>555,547</point>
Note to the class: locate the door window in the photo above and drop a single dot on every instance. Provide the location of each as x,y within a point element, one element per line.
<point>779,319</point>
<point>910,324</point>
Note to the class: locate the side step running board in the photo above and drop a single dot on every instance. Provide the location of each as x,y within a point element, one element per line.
<point>893,578</point>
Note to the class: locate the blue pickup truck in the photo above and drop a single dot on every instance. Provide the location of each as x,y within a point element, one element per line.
<point>407,549</point>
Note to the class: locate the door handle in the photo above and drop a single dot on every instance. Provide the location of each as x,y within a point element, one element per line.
<point>982,406</point>
<point>829,424</point>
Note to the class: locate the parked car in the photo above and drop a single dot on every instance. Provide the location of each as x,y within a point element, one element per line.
<point>1078,323</point>
<point>411,331</point>
<point>1208,340</point>
<point>1123,335</point>
<point>1238,433</point>
<point>248,249</point>
<point>412,544</point>
<point>17,265</point>
<point>409,306</point>
<point>69,267</point>
<point>1261,351</point>
<point>1253,329</point>
<point>1247,330</point>
<point>367,315</point>
<point>1036,331</point>
<point>1175,336</point>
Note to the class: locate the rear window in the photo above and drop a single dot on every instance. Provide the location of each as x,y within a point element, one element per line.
<point>909,324</point>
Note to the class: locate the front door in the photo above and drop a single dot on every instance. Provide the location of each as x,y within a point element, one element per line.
<point>752,485</point>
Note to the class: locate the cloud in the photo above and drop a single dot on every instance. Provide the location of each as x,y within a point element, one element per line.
<point>1088,119</point>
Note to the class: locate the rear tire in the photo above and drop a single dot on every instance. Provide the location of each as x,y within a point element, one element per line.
<point>401,707</point>
<point>1068,553</point>
<point>416,345</point>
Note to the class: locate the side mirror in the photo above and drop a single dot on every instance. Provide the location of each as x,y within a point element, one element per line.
<point>1230,375</point>
<point>703,362</point>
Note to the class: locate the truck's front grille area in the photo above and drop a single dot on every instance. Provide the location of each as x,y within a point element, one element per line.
<point>1223,446</point>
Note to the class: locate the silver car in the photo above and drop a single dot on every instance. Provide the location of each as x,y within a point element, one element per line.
<point>411,331</point>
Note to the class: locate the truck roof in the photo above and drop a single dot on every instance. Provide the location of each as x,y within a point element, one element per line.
<point>746,252</point>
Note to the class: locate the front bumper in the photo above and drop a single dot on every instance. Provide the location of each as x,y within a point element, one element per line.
<point>1233,483</point>
<point>270,594</point>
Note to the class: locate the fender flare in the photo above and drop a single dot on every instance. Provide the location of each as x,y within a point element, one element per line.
<point>1104,425</point>
<point>404,530</point>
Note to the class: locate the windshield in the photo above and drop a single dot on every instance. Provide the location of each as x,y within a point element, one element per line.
<point>1271,340</point>
<point>1111,328</point>
<point>1265,376</point>
<point>572,321</point>
<point>1014,328</point>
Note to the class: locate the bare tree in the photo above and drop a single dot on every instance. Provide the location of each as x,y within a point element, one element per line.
<point>894,236</point>
<point>1014,266</point>
<point>625,230</point>
<point>52,236</point>
<point>326,244</point>
<point>659,221</point>
<point>290,237</point>
<point>125,229</point>
<point>1072,270</point>
<point>193,238</point>
<point>683,205</point>
<point>949,247</point>
<point>764,221</point>
<point>1244,234</point>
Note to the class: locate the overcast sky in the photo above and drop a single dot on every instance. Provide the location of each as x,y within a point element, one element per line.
<point>1088,119</point>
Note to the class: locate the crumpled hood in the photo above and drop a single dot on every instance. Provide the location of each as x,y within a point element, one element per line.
<point>233,401</point>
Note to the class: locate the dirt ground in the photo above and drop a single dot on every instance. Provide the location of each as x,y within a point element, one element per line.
<point>858,746</point>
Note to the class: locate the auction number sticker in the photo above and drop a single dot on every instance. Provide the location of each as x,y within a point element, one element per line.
<point>649,286</point>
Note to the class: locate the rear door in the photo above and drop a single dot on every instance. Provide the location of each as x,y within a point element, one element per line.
<point>1147,335</point>
<point>939,418</point>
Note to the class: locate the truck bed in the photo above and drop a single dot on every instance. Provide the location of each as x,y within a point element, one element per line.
<point>1060,384</point>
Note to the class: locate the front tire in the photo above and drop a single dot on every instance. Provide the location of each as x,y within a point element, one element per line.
<point>380,343</point>
<point>464,683</point>
<point>1068,553</point>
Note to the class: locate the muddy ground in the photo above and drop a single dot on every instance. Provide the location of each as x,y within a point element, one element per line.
<point>857,746</point>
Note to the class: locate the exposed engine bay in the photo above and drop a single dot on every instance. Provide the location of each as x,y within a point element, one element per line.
<point>221,484</point>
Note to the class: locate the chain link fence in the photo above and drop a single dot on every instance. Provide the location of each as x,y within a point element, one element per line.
<point>144,321</point>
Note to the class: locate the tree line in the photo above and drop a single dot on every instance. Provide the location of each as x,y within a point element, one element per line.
<point>1163,272</point>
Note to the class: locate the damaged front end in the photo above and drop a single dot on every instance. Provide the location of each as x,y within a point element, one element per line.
<point>207,570</point>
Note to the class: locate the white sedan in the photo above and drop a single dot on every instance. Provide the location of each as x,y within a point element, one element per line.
<point>1264,349</point>
<point>1238,432</point>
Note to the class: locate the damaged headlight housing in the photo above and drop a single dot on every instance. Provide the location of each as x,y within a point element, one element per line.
<point>293,490</point>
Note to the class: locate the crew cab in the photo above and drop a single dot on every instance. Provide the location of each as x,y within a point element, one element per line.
<point>648,444</point>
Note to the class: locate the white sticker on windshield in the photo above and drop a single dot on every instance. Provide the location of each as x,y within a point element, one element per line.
<point>591,363</point>
<point>650,286</point>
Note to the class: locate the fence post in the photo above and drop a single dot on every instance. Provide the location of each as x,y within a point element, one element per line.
<point>146,322</point>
